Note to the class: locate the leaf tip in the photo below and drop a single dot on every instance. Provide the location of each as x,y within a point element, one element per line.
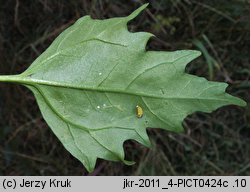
<point>136,12</point>
<point>239,102</point>
<point>242,103</point>
<point>179,129</point>
<point>196,53</point>
<point>89,168</point>
<point>128,162</point>
<point>233,100</point>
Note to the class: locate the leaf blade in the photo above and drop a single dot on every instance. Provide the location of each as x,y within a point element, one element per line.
<point>88,86</point>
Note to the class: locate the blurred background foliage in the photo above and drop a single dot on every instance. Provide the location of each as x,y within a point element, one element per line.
<point>212,144</point>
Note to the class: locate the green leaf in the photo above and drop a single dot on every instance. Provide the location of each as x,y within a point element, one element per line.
<point>89,82</point>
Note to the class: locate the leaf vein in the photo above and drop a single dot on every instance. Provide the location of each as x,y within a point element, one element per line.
<point>64,120</point>
<point>151,68</point>
<point>151,111</point>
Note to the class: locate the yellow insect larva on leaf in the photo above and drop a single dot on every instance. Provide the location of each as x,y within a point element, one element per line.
<point>139,111</point>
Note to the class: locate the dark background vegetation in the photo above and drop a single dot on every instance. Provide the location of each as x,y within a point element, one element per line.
<point>212,144</point>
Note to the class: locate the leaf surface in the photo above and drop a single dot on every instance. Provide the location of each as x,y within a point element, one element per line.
<point>90,80</point>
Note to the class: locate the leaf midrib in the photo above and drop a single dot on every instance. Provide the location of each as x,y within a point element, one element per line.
<point>20,79</point>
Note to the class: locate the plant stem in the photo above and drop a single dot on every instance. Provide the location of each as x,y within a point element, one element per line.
<point>10,78</point>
